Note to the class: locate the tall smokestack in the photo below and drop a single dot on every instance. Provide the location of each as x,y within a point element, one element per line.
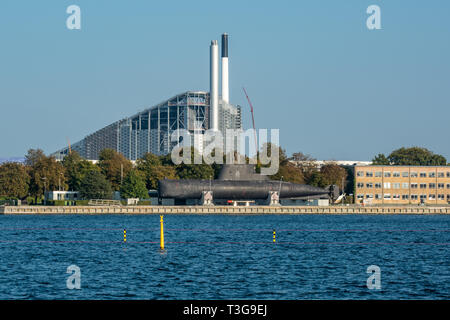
<point>214,86</point>
<point>225,89</point>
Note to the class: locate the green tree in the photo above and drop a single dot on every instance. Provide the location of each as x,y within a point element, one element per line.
<point>350,180</point>
<point>166,160</point>
<point>195,171</point>
<point>301,157</point>
<point>416,156</point>
<point>217,168</point>
<point>380,160</point>
<point>33,156</point>
<point>46,174</point>
<point>14,180</point>
<point>316,180</point>
<point>148,161</point>
<point>333,174</point>
<point>159,173</point>
<point>134,186</point>
<point>290,173</point>
<point>114,166</point>
<point>282,159</point>
<point>307,164</point>
<point>76,168</point>
<point>154,168</point>
<point>94,185</point>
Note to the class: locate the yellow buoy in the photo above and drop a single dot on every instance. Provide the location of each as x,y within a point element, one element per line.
<point>124,235</point>
<point>162,232</point>
<point>274,235</point>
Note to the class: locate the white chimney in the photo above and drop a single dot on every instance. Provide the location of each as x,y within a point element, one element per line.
<point>225,89</point>
<point>214,86</point>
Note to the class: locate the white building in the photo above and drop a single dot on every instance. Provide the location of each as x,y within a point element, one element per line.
<point>61,195</point>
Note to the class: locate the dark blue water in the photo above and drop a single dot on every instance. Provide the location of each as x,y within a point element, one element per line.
<point>225,257</point>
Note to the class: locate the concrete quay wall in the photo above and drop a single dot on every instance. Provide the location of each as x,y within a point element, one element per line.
<point>252,210</point>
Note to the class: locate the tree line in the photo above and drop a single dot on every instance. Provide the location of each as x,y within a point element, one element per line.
<point>113,172</point>
<point>414,156</point>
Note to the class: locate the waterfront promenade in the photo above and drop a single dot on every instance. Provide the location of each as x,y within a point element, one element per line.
<point>256,210</point>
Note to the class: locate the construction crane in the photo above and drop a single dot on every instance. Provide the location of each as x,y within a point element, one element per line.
<point>253,118</point>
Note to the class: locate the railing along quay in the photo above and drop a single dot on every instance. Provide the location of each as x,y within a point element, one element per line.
<point>257,210</point>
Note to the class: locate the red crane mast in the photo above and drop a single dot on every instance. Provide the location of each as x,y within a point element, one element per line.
<point>253,118</point>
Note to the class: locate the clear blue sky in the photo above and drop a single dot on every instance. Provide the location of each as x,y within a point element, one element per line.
<point>334,88</point>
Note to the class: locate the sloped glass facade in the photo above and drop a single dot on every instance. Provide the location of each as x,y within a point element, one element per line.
<point>150,130</point>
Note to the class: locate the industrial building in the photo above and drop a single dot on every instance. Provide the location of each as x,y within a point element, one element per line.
<point>402,184</point>
<point>151,129</point>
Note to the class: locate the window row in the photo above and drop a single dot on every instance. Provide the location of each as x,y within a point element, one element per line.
<point>388,196</point>
<point>405,174</point>
<point>404,185</point>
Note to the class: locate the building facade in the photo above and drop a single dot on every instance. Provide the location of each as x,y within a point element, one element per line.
<point>402,184</point>
<point>151,129</point>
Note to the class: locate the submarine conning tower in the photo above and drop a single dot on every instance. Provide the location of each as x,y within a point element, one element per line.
<point>240,172</point>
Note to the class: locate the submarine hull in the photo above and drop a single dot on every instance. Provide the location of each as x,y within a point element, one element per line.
<point>235,190</point>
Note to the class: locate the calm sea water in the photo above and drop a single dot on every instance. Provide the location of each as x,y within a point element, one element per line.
<point>225,257</point>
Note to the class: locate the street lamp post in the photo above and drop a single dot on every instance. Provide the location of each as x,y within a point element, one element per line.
<point>59,180</point>
<point>45,189</point>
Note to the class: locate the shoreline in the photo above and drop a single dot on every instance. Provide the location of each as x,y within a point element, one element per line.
<point>203,210</point>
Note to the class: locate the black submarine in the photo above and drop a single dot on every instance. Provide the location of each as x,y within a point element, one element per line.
<point>240,182</point>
